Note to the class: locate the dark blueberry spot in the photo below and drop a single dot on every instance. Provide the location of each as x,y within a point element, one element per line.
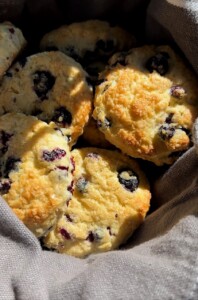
<point>106,46</point>
<point>17,69</point>
<point>12,30</point>
<point>177,91</point>
<point>159,63</point>
<point>36,112</point>
<point>166,131</point>
<point>57,153</point>
<point>105,124</point>
<point>8,74</point>
<point>116,215</point>
<point>43,83</point>
<point>169,118</point>
<point>92,155</point>
<point>120,59</point>
<point>62,116</point>
<point>81,184</point>
<point>71,187</point>
<point>92,237</point>
<point>11,165</point>
<point>5,185</point>
<point>65,234</point>
<point>63,168</point>
<point>5,137</point>
<point>51,48</point>
<point>73,164</point>
<point>128,179</point>
<point>22,61</point>
<point>68,217</point>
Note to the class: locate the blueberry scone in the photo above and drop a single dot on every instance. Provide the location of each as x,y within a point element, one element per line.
<point>52,87</point>
<point>90,43</point>
<point>110,200</point>
<point>146,103</point>
<point>12,43</point>
<point>35,170</point>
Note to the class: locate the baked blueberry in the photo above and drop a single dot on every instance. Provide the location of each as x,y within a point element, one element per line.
<point>128,179</point>
<point>43,82</point>
<point>62,116</point>
<point>158,63</point>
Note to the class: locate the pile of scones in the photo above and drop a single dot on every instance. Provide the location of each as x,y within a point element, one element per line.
<point>89,82</point>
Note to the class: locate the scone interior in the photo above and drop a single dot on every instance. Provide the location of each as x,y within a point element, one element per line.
<point>12,43</point>
<point>110,200</point>
<point>52,87</point>
<point>146,103</point>
<point>35,169</point>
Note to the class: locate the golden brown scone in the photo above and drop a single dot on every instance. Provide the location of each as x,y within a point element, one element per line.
<point>94,137</point>
<point>36,170</point>
<point>110,200</point>
<point>12,43</point>
<point>147,103</point>
<point>51,86</point>
<point>91,43</point>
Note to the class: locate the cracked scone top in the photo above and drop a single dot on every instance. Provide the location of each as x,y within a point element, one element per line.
<point>12,42</point>
<point>147,103</point>
<point>35,169</point>
<point>110,200</point>
<point>52,87</point>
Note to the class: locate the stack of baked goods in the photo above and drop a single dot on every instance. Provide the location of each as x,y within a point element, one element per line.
<point>88,82</point>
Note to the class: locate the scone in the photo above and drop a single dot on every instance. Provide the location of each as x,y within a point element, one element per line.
<point>91,43</point>
<point>35,170</point>
<point>12,43</point>
<point>94,137</point>
<point>146,103</point>
<point>110,200</point>
<point>52,87</point>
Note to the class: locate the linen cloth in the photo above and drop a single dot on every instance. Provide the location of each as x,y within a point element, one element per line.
<point>161,259</point>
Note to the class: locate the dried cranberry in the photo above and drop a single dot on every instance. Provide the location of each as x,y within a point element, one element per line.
<point>128,179</point>
<point>65,234</point>
<point>63,168</point>
<point>43,83</point>
<point>54,154</point>
<point>71,187</point>
<point>158,63</point>
<point>62,116</point>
